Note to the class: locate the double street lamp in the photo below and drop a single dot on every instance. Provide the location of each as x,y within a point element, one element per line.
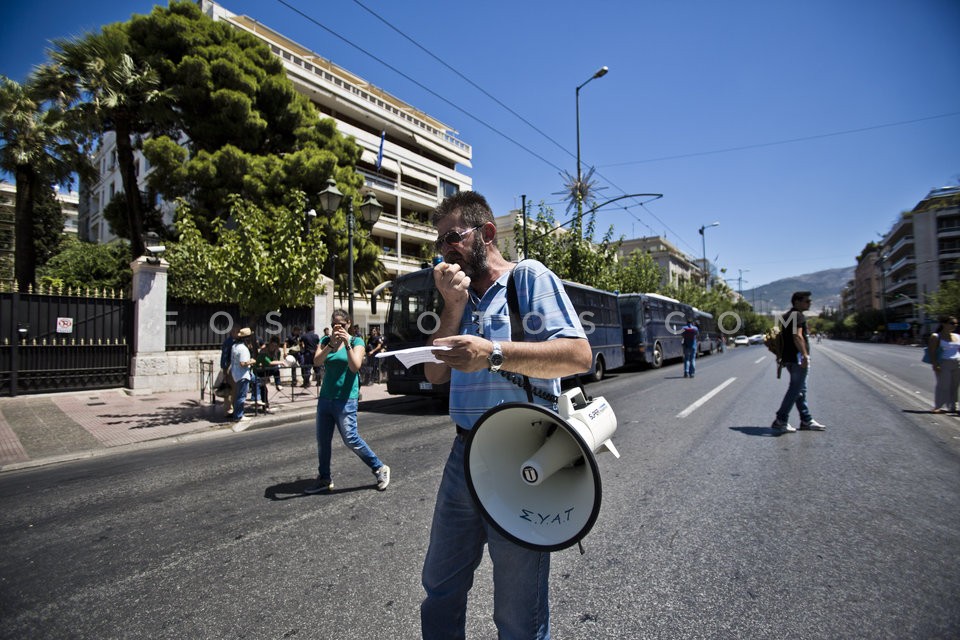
<point>330,200</point>
<point>703,238</point>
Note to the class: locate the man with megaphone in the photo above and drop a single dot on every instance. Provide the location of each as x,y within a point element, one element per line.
<point>474,347</point>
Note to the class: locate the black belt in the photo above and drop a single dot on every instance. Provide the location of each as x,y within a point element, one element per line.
<point>462,433</point>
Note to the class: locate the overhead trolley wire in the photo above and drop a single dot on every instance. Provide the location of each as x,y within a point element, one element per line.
<point>417,83</point>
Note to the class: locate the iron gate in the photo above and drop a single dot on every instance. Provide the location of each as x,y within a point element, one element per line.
<point>55,341</point>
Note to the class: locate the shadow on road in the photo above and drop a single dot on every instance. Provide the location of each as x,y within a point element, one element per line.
<point>297,489</point>
<point>765,432</point>
<point>405,405</point>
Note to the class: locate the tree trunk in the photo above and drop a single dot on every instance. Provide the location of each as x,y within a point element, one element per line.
<point>131,190</point>
<point>25,253</point>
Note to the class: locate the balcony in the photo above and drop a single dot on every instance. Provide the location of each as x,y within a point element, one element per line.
<point>902,242</point>
<point>903,285</point>
<point>902,262</point>
<point>399,265</point>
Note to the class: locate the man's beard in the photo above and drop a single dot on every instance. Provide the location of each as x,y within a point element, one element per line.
<point>475,262</point>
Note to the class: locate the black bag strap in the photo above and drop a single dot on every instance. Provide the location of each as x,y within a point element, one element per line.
<point>517,335</point>
<point>513,305</point>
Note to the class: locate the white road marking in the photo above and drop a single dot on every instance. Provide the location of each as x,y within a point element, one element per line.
<point>762,358</point>
<point>699,403</point>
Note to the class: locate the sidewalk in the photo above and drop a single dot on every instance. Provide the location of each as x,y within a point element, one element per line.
<point>43,429</point>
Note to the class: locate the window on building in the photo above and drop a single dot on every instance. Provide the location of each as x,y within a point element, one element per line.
<point>948,223</point>
<point>448,188</point>
<point>949,245</point>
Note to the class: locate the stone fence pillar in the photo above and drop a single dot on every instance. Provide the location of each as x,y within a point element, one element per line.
<point>149,365</point>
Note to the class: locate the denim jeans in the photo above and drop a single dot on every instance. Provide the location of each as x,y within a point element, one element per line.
<point>796,393</point>
<point>240,398</point>
<point>689,360</point>
<point>341,414</point>
<point>520,576</point>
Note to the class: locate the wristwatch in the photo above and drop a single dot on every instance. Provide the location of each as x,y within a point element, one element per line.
<point>495,359</point>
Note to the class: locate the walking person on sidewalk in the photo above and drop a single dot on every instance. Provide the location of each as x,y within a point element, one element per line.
<point>944,349</point>
<point>473,282</point>
<point>342,355</point>
<point>796,360</point>
<point>240,368</point>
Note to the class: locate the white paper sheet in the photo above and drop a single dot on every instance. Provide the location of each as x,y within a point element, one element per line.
<point>413,355</point>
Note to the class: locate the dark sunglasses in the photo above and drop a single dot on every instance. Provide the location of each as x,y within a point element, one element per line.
<point>338,324</point>
<point>454,237</point>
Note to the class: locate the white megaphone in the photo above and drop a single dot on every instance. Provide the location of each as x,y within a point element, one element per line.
<point>533,472</point>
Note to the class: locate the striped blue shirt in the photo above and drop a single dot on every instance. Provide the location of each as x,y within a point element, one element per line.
<point>547,314</point>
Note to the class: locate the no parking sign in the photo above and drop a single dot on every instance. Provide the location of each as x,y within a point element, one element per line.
<point>64,325</point>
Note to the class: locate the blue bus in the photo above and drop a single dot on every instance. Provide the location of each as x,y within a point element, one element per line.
<point>710,340</point>
<point>414,297</point>
<point>651,327</point>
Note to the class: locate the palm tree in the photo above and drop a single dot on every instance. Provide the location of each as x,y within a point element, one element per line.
<point>110,91</point>
<point>38,148</point>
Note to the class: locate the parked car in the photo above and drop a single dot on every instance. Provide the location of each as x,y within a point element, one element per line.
<point>756,339</point>
<point>741,341</point>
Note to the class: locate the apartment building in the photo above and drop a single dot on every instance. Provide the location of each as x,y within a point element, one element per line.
<point>421,163</point>
<point>866,287</point>
<point>676,266</point>
<point>919,253</point>
<point>69,202</point>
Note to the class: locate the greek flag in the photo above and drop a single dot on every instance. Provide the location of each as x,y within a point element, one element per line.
<point>383,135</point>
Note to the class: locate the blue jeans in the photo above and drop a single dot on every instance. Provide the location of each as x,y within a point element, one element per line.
<point>240,398</point>
<point>796,393</point>
<point>341,414</point>
<point>689,360</point>
<point>520,576</point>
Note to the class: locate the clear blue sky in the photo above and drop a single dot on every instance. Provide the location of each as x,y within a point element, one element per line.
<point>726,108</point>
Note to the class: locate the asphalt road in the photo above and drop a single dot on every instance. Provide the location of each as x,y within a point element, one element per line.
<point>711,526</point>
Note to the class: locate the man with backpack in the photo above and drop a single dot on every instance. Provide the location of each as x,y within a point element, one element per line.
<point>690,333</point>
<point>795,357</point>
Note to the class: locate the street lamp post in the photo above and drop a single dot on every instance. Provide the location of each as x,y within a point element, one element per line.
<point>523,206</point>
<point>703,239</point>
<point>882,262</point>
<point>740,282</point>
<point>330,199</point>
<point>602,71</point>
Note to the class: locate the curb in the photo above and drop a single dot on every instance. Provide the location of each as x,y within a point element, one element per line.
<point>207,431</point>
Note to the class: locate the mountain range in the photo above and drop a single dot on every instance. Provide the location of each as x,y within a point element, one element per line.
<point>824,285</point>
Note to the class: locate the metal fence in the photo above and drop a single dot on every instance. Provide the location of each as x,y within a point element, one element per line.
<point>64,341</point>
<point>194,327</point>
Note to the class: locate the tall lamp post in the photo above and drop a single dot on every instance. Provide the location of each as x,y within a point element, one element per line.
<point>882,263</point>
<point>703,239</point>
<point>330,199</point>
<point>740,283</point>
<point>602,71</point>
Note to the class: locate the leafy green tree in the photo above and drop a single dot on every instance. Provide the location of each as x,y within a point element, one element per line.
<point>111,90</point>
<point>88,266</point>
<point>639,273</point>
<point>571,257</point>
<point>264,260</point>
<point>48,219</point>
<point>250,132</point>
<point>39,148</point>
<point>945,301</point>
